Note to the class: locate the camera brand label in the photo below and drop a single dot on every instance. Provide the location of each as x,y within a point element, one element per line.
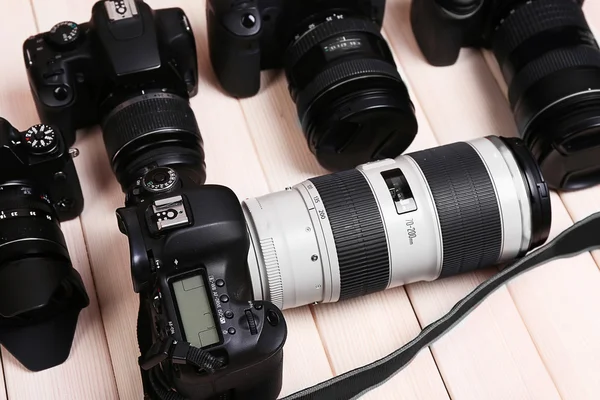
<point>120,9</point>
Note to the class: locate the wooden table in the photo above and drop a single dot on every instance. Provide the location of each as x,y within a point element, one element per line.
<point>537,338</point>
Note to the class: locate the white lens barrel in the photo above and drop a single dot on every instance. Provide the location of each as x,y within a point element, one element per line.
<point>422,216</point>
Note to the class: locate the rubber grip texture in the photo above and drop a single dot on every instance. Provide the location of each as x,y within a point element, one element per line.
<point>147,114</point>
<point>466,204</point>
<point>358,232</point>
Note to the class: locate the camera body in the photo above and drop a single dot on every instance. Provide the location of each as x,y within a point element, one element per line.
<point>40,158</point>
<point>189,247</point>
<point>78,71</point>
<point>443,27</point>
<point>247,37</point>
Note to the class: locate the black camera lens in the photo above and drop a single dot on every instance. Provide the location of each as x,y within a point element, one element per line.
<point>151,129</point>
<point>551,63</point>
<point>351,101</point>
<point>41,294</point>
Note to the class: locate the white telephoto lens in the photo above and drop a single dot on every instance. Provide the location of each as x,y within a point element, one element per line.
<point>422,216</point>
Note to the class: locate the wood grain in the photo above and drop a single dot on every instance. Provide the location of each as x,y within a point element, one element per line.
<point>534,339</point>
<point>88,371</point>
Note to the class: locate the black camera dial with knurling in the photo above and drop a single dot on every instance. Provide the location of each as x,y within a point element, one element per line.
<point>40,139</point>
<point>64,35</point>
<point>159,180</point>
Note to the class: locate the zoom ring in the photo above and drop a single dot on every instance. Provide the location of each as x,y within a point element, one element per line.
<point>342,72</point>
<point>149,113</point>
<point>466,204</point>
<point>358,232</point>
<point>533,18</point>
<point>549,63</point>
<point>325,30</point>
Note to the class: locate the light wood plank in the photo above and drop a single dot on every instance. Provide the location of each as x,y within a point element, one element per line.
<point>286,160</point>
<point>463,102</point>
<point>230,161</point>
<point>88,371</point>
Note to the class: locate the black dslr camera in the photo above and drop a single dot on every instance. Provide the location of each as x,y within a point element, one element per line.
<point>130,68</point>
<point>352,104</point>
<point>551,63</point>
<point>41,294</point>
<point>200,333</point>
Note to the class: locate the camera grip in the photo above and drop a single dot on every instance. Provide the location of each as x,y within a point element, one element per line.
<point>235,51</point>
<point>438,32</point>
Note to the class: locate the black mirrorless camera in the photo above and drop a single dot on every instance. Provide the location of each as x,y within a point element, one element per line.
<point>551,62</point>
<point>199,330</point>
<point>130,68</point>
<point>41,294</point>
<point>352,103</point>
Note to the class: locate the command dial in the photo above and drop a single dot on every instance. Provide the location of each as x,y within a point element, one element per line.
<point>159,179</point>
<point>40,139</point>
<point>64,35</point>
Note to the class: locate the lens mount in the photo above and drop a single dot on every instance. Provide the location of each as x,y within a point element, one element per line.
<point>151,127</point>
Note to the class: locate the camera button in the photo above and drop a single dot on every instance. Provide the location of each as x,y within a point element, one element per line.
<point>224,298</point>
<point>231,331</point>
<point>272,318</point>
<point>61,93</point>
<point>220,282</point>
<point>258,306</point>
<point>228,314</point>
<point>248,21</point>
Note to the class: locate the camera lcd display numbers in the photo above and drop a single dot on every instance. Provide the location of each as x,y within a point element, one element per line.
<point>195,311</point>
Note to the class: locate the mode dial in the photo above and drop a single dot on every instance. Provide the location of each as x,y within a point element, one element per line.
<point>64,35</point>
<point>159,180</point>
<point>41,139</point>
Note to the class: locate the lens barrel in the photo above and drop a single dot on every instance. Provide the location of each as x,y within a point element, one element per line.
<point>41,294</point>
<point>352,103</point>
<point>551,63</point>
<point>152,128</point>
<point>423,216</point>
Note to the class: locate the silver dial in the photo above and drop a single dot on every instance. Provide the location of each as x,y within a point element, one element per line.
<point>41,138</point>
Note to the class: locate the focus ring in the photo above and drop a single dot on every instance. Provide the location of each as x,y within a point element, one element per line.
<point>466,204</point>
<point>149,113</point>
<point>533,18</point>
<point>325,30</point>
<point>549,63</point>
<point>358,232</point>
<point>342,72</point>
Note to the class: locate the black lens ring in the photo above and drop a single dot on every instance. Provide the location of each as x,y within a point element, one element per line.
<point>539,194</point>
<point>343,72</point>
<point>323,31</point>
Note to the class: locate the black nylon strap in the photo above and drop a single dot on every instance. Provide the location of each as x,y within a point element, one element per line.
<point>581,237</point>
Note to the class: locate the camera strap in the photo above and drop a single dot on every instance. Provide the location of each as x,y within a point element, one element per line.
<point>581,237</point>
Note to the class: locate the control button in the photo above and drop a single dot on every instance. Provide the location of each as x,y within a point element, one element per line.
<point>61,93</point>
<point>220,282</point>
<point>258,306</point>
<point>159,180</point>
<point>231,331</point>
<point>41,139</point>
<point>272,318</point>
<point>156,304</point>
<point>60,176</point>
<point>228,314</point>
<point>64,35</point>
<point>248,20</point>
<point>251,322</point>
<point>224,298</point>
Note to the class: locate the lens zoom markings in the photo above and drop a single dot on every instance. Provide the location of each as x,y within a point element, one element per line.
<point>358,232</point>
